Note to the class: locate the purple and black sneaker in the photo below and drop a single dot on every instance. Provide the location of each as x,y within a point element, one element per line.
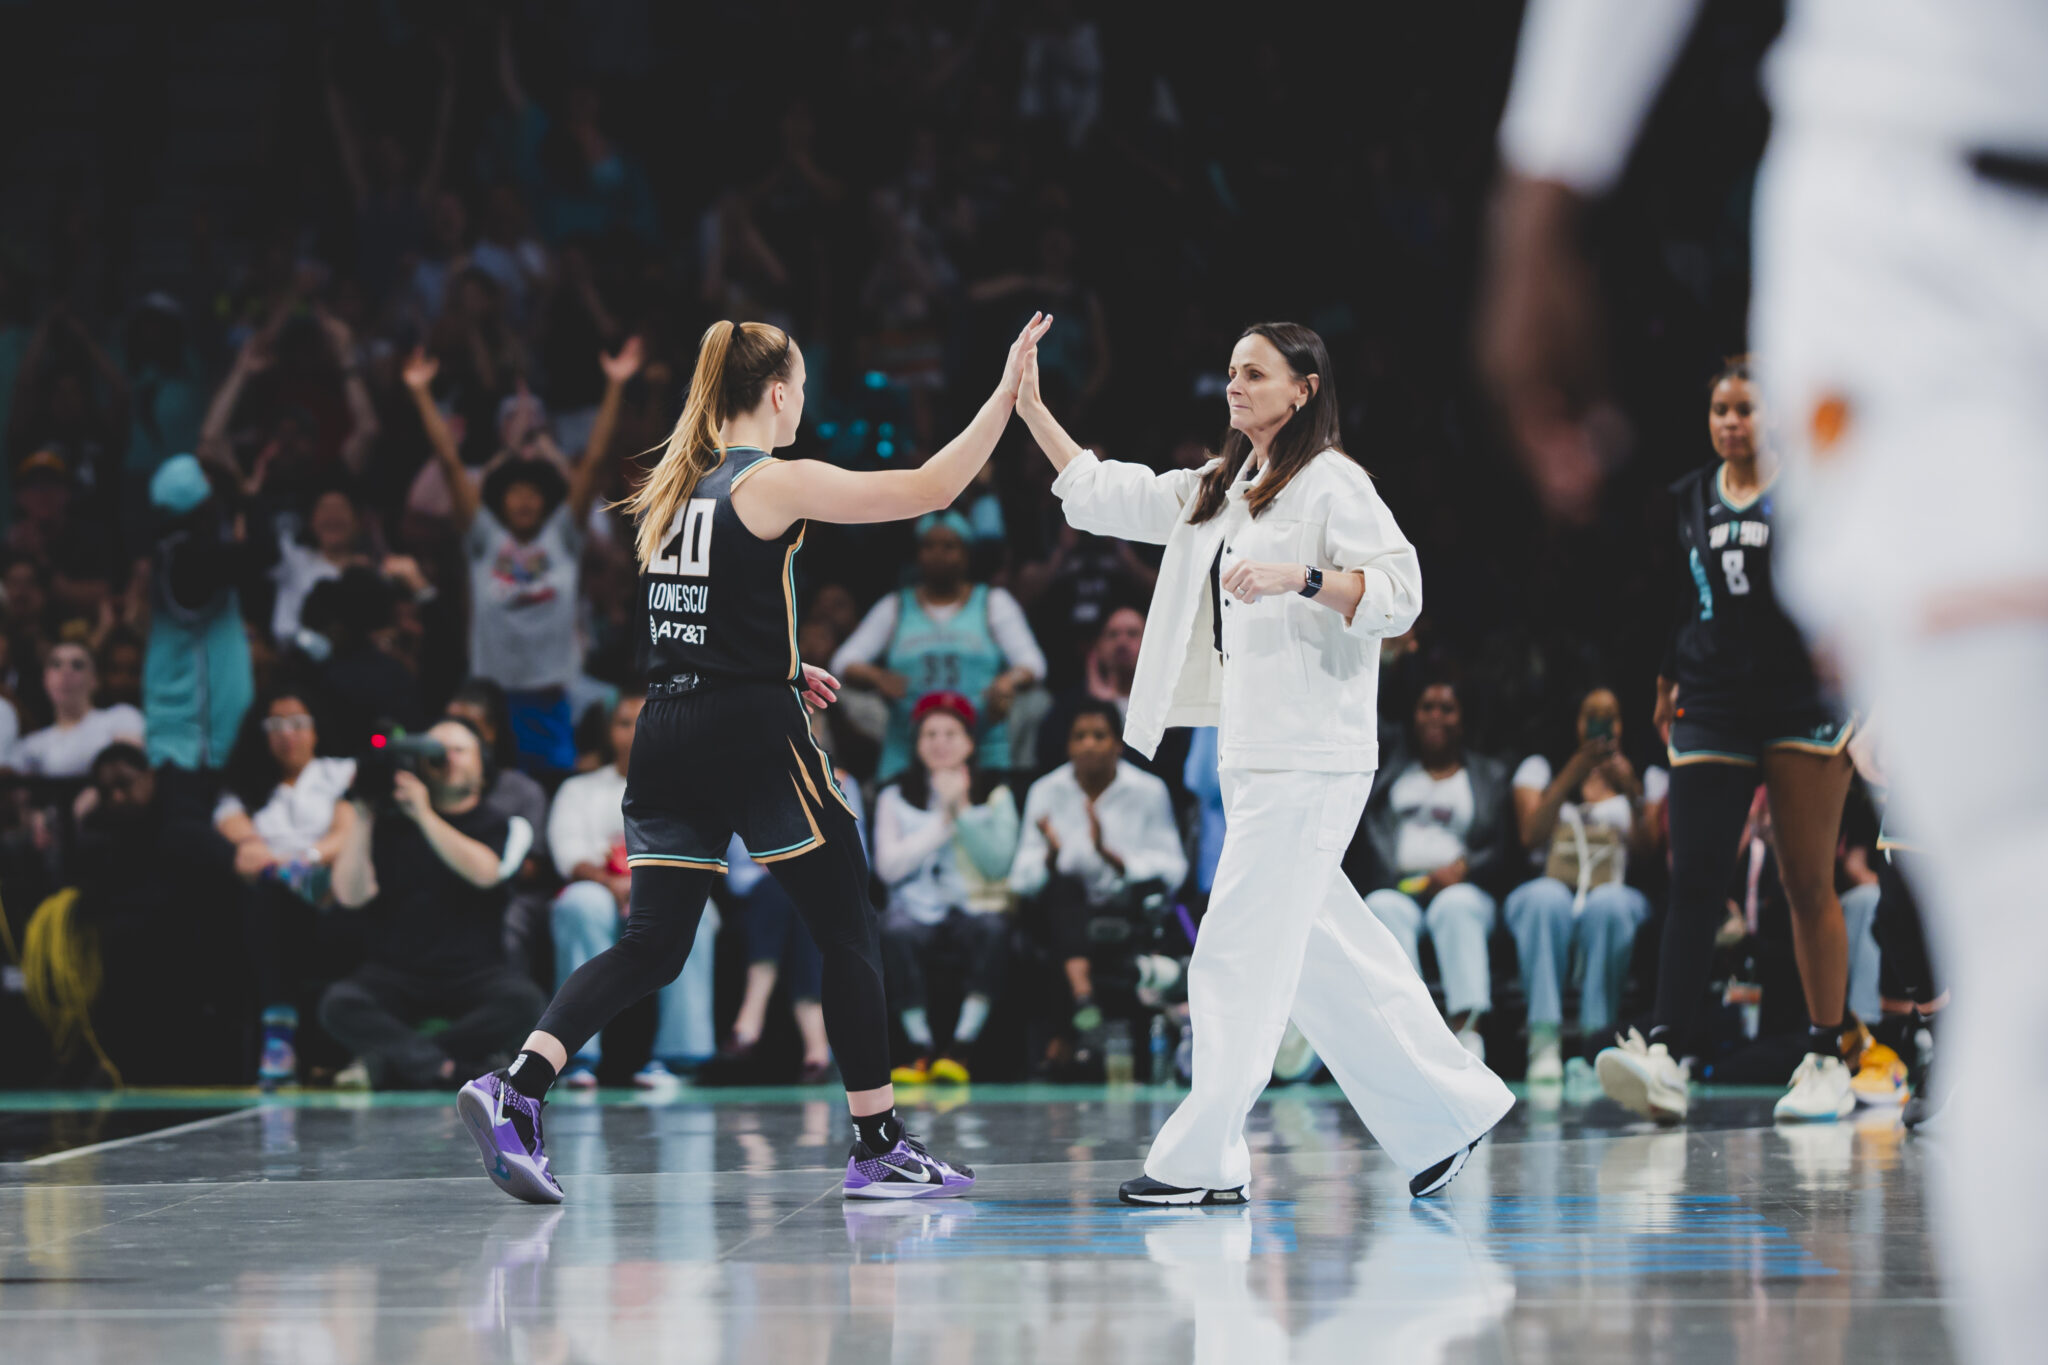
<point>905,1171</point>
<point>506,1126</point>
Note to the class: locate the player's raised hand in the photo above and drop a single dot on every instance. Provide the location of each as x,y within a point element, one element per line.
<point>1023,347</point>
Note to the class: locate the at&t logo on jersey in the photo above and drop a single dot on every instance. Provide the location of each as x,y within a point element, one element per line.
<point>689,634</point>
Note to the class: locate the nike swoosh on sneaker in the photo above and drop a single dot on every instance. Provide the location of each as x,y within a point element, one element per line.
<point>923,1175</point>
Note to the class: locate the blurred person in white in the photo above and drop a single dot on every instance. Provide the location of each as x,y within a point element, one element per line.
<point>944,837</point>
<point>1283,570</point>
<point>1575,924</point>
<point>66,746</point>
<point>285,812</point>
<point>1097,832</point>
<point>1901,309</point>
<point>1441,828</point>
<point>587,838</point>
<point>525,527</point>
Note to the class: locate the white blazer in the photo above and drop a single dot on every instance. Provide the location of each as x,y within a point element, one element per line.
<point>1301,687</point>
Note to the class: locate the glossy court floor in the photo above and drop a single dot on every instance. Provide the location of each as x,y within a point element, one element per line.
<point>708,1227</point>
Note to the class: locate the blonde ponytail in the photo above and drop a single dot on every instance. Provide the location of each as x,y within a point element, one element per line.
<point>734,366</point>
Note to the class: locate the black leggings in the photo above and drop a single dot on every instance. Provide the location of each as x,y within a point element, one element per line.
<point>1709,806</point>
<point>1903,970</point>
<point>830,887</point>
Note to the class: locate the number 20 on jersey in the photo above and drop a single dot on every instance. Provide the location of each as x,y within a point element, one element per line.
<point>686,552</point>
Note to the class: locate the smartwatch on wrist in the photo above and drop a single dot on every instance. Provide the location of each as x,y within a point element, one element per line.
<point>1314,584</point>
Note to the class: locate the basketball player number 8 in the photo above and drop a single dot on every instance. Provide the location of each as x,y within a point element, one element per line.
<point>688,552</point>
<point>1731,566</point>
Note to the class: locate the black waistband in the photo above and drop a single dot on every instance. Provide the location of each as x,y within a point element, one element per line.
<point>681,684</point>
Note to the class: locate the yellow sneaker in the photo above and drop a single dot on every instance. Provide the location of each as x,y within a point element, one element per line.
<point>1882,1078</point>
<point>948,1071</point>
<point>917,1073</point>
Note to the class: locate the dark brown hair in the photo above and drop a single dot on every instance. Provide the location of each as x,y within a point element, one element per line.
<point>1732,367</point>
<point>1312,429</point>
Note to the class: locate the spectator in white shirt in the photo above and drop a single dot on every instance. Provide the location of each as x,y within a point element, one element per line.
<point>1098,835</point>
<point>1576,923</point>
<point>1440,825</point>
<point>947,634</point>
<point>286,814</point>
<point>66,747</point>
<point>943,843</point>
<point>587,838</point>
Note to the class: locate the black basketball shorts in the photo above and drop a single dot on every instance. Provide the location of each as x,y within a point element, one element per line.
<point>725,759</point>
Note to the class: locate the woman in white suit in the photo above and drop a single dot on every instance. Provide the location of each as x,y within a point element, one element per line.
<point>1283,570</point>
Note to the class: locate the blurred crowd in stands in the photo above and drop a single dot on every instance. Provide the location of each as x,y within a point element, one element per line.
<point>340,479</point>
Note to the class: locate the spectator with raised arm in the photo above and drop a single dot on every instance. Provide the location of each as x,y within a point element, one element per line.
<point>524,531</point>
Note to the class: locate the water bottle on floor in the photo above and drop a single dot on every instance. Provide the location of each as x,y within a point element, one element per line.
<point>1162,1056</point>
<point>1116,1054</point>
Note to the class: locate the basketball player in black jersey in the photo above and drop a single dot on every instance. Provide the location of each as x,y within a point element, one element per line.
<point>724,746</point>
<point>1737,700</point>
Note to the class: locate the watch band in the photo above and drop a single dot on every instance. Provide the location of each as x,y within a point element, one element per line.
<point>1314,584</point>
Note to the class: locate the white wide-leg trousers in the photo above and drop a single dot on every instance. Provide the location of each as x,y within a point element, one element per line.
<point>1287,932</point>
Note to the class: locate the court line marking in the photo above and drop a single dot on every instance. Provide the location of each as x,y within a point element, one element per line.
<point>175,1130</point>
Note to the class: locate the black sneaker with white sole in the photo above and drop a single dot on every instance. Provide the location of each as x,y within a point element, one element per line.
<point>1146,1190</point>
<point>1444,1172</point>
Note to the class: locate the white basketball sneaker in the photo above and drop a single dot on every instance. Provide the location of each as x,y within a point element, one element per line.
<point>1822,1091</point>
<point>1644,1078</point>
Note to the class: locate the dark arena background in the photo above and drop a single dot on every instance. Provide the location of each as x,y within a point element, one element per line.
<point>305,242</point>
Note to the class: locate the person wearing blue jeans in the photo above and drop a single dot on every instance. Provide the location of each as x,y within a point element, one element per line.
<point>1576,923</point>
<point>587,839</point>
<point>1561,943</point>
<point>586,921</point>
<point>1439,828</point>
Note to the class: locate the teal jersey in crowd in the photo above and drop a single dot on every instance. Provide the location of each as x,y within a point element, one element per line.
<point>960,655</point>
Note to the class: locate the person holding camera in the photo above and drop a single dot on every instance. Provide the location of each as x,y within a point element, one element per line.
<point>429,865</point>
<point>1575,923</point>
<point>1098,833</point>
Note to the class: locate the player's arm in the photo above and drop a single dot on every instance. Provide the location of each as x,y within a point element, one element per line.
<point>1586,73</point>
<point>784,493</point>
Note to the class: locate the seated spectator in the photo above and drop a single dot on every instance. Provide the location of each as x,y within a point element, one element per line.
<point>587,836</point>
<point>66,747</point>
<point>1098,837</point>
<point>779,948</point>
<point>1576,924</point>
<point>524,529</point>
<point>342,651</point>
<point>430,867</point>
<point>945,634</point>
<point>944,837</point>
<point>120,656</point>
<point>509,792</point>
<point>1441,830</point>
<point>1106,673</point>
<point>329,538</point>
<point>156,895</point>
<point>285,813</point>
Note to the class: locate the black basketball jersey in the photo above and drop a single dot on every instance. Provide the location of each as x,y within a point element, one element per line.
<point>720,600</point>
<point>1734,644</point>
